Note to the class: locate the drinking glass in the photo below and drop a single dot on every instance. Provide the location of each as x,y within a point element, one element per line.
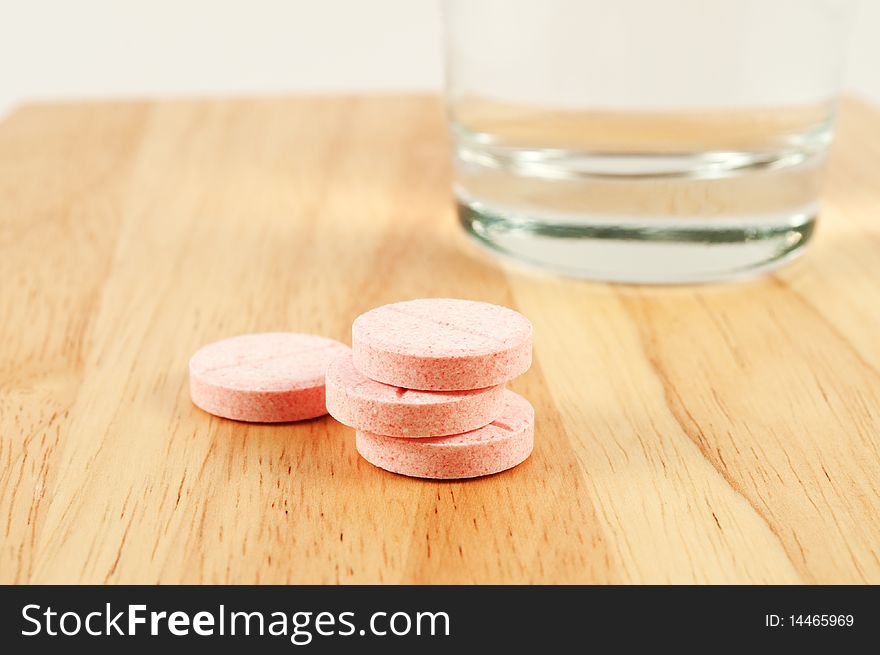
<point>643,140</point>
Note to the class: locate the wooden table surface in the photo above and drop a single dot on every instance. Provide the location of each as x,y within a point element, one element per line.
<point>725,433</point>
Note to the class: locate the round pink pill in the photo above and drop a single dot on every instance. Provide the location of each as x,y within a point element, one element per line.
<point>442,344</point>
<point>501,445</point>
<point>267,378</point>
<point>370,406</point>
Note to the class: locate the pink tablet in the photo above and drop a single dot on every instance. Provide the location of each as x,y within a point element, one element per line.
<point>362,403</point>
<point>268,377</point>
<point>442,344</point>
<point>501,445</point>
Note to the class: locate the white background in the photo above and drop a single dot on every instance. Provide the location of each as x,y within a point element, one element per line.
<point>57,49</point>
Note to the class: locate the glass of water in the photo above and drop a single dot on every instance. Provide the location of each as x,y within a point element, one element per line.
<point>643,140</point>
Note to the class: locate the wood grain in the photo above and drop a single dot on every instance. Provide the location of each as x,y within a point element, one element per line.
<point>698,434</point>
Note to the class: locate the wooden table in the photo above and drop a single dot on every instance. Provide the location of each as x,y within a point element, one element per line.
<point>699,434</point>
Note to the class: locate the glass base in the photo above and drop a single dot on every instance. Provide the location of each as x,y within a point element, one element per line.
<point>656,251</point>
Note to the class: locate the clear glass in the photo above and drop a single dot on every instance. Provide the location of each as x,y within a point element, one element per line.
<point>643,140</point>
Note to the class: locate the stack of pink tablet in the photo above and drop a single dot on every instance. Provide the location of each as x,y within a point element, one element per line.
<point>423,386</point>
